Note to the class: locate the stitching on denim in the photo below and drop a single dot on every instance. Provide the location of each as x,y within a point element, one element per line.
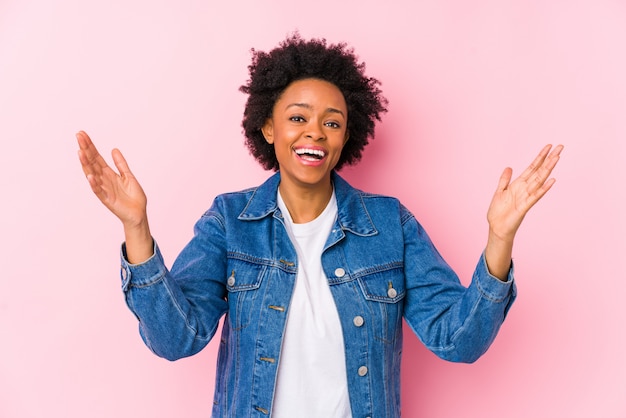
<point>483,291</point>
<point>150,282</point>
<point>375,270</point>
<point>249,202</point>
<point>463,325</point>
<point>405,216</point>
<point>236,255</point>
<point>211,214</point>
<point>378,268</point>
<point>487,295</point>
<point>197,336</point>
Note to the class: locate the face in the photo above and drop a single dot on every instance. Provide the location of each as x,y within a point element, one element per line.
<point>308,130</point>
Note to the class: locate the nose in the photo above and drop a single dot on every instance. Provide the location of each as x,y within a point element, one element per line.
<point>315,130</point>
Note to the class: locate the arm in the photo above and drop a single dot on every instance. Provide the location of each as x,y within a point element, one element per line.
<point>510,204</point>
<point>178,311</point>
<point>454,322</point>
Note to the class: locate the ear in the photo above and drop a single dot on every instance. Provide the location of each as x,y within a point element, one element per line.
<point>268,131</point>
<point>346,138</point>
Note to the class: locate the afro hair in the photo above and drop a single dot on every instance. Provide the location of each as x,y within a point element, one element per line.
<point>297,59</point>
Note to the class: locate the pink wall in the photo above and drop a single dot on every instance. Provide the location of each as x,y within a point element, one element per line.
<point>473,86</point>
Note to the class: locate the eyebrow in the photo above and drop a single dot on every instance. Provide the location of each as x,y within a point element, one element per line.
<point>309,107</point>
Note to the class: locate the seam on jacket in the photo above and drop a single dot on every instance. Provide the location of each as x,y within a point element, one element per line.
<point>185,317</point>
<point>159,278</point>
<point>212,214</point>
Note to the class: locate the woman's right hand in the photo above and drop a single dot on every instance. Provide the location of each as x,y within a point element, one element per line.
<point>121,194</point>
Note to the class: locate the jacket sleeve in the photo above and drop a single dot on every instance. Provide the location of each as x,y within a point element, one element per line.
<point>179,310</point>
<point>454,322</point>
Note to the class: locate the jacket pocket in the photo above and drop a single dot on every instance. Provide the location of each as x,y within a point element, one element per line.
<point>243,285</point>
<point>384,291</point>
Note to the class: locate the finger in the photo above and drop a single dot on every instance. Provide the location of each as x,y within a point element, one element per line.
<point>505,179</point>
<point>92,157</point>
<point>97,188</point>
<point>556,154</point>
<point>89,169</point>
<point>92,167</point>
<point>120,163</point>
<point>541,191</point>
<point>542,183</point>
<point>537,162</point>
<point>543,172</point>
<point>83,139</point>
<point>85,143</point>
<point>98,183</point>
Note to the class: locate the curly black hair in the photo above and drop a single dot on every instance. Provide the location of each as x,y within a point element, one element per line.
<point>297,59</point>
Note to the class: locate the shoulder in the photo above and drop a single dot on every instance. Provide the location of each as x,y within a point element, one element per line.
<point>374,203</point>
<point>247,204</point>
<point>368,214</point>
<point>230,203</point>
<point>386,206</point>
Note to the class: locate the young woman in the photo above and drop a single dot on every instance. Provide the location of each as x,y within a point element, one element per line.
<point>313,275</point>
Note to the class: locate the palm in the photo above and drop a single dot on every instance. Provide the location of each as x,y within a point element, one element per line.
<point>120,193</point>
<point>512,200</point>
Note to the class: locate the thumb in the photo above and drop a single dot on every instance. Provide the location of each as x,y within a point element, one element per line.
<point>505,179</point>
<point>120,163</point>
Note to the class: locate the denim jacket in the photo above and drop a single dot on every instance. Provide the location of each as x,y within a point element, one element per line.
<point>380,264</point>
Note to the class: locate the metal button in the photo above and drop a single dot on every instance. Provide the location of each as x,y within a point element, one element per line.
<point>231,281</point>
<point>358,321</point>
<point>339,272</point>
<point>123,273</point>
<point>392,293</point>
<point>362,371</point>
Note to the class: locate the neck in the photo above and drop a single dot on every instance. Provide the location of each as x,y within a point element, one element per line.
<point>305,204</point>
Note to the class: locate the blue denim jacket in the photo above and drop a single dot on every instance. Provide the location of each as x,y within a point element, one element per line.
<point>380,264</point>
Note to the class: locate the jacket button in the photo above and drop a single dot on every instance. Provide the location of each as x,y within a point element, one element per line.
<point>358,320</point>
<point>392,293</point>
<point>123,273</point>
<point>339,272</point>
<point>362,371</point>
<point>231,281</point>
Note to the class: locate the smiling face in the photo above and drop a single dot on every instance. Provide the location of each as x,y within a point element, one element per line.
<point>308,130</point>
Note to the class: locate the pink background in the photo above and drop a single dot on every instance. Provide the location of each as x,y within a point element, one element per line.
<point>473,87</point>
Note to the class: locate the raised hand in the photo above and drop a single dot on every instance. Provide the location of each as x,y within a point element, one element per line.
<point>510,204</point>
<point>120,193</point>
<point>512,200</point>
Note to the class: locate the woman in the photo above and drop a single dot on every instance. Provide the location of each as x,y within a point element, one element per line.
<point>313,275</point>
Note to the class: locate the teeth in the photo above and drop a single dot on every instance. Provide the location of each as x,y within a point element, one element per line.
<point>302,151</point>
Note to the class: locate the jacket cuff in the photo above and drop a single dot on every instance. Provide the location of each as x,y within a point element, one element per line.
<point>490,286</point>
<point>144,274</point>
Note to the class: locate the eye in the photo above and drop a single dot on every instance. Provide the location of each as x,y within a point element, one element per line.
<point>296,119</point>
<point>331,124</point>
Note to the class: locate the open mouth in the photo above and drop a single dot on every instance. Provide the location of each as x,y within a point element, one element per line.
<point>310,154</point>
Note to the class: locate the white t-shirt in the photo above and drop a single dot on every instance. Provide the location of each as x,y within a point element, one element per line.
<point>312,380</point>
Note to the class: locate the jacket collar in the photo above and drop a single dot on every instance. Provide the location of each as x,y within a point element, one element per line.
<point>351,210</point>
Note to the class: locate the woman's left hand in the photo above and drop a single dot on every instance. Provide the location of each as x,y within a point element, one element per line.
<point>511,203</point>
<point>512,200</point>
